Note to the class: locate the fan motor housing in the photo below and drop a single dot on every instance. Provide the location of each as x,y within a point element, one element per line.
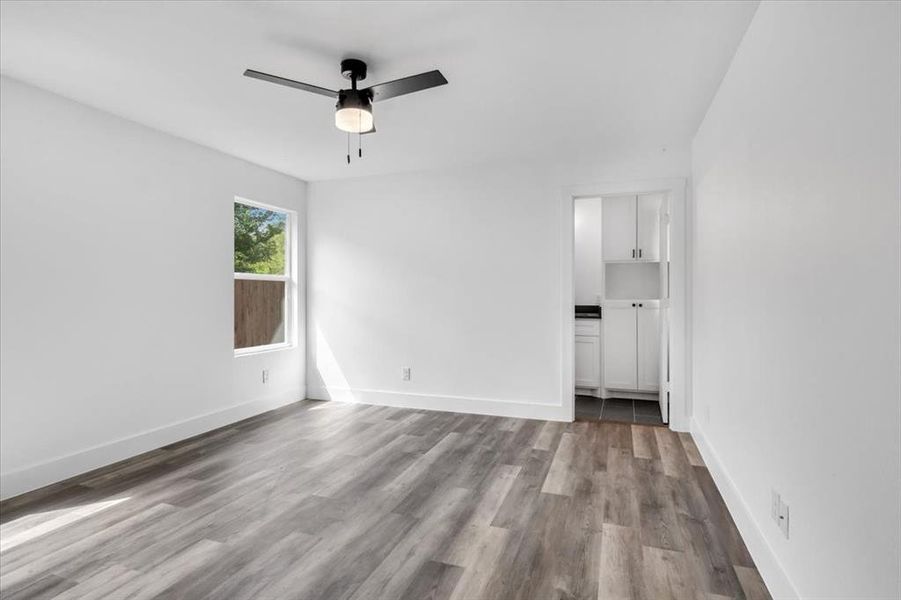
<point>354,99</point>
<point>353,69</point>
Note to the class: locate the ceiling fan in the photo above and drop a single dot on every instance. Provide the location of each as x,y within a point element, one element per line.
<point>353,112</point>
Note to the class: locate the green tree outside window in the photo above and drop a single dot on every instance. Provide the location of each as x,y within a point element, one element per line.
<point>259,240</point>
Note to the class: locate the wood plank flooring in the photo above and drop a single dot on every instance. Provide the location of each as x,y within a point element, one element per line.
<point>352,502</point>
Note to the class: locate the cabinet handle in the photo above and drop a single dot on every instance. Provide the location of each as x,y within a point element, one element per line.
<point>639,253</point>
<point>640,305</point>
<point>633,252</point>
<point>633,305</point>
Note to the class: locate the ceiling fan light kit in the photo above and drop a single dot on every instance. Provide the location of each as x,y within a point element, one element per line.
<point>353,111</point>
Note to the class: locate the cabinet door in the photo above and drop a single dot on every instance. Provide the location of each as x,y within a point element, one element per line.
<point>648,349</point>
<point>588,361</point>
<point>618,216</point>
<point>648,225</point>
<point>620,372</point>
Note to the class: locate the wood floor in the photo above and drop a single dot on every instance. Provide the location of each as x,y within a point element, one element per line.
<point>339,501</point>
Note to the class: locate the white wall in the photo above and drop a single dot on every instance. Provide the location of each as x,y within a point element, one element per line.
<point>454,273</point>
<point>796,292</point>
<point>588,259</point>
<point>116,305</point>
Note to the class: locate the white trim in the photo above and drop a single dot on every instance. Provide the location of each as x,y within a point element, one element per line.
<point>611,393</point>
<point>263,349</point>
<point>61,468</point>
<point>675,188</point>
<point>262,277</point>
<point>255,204</point>
<point>520,409</point>
<point>777,581</point>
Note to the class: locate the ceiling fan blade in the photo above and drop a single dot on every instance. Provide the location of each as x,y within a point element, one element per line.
<point>406,85</point>
<point>291,83</point>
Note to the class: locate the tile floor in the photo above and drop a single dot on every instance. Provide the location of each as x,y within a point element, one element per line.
<point>645,412</point>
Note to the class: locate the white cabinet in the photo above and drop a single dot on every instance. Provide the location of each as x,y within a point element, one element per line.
<point>648,335</point>
<point>588,353</point>
<point>632,346</point>
<point>618,228</point>
<point>631,227</point>
<point>588,361</point>
<point>647,225</point>
<point>620,346</point>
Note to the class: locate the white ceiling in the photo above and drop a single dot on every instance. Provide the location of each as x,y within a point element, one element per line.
<point>527,79</point>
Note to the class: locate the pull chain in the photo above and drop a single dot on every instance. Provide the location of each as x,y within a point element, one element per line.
<point>359,139</point>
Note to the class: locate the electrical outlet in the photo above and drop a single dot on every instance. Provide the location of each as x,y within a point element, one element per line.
<point>783,518</point>
<point>779,512</point>
<point>265,375</point>
<point>405,374</point>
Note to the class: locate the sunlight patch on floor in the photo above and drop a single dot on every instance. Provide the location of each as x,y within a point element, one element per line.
<point>35,525</point>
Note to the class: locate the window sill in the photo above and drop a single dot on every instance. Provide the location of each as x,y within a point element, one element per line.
<point>263,349</point>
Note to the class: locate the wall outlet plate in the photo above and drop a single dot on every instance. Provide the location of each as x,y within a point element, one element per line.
<point>783,519</point>
<point>406,374</point>
<point>779,512</point>
<point>265,375</point>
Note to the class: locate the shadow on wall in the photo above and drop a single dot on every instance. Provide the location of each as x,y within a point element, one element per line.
<point>333,379</point>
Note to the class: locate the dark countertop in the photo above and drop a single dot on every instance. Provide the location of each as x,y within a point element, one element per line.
<point>588,311</point>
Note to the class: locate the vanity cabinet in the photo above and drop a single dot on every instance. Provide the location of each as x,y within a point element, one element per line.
<point>632,345</point>
<point>588,353</point>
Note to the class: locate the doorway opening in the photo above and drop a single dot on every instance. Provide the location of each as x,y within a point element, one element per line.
<point>621,267</point>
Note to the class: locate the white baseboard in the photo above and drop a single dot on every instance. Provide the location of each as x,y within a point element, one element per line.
<point>58,469</point>
<point>459,404</point>
<point>768,565</point>
<point>647,396</point>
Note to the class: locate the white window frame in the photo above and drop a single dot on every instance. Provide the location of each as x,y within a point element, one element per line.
<point>290,278</point>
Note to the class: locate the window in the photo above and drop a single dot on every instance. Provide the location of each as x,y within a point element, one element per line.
<point>264,285</point>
